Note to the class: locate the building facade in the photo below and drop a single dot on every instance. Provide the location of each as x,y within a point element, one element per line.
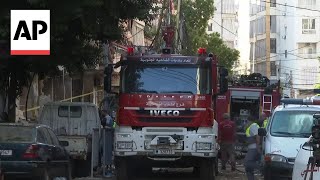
<point>226,23</point>
<point>284,40</point>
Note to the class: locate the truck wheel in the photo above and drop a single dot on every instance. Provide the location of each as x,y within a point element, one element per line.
<point>207,169</point>
<point>122,170</point>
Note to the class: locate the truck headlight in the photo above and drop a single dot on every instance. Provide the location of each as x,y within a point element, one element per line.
<point>124,135</point>
<point>275,158</point>
<point>124,145</point>
<point>204,146</point>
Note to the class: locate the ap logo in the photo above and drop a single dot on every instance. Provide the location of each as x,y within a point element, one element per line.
<point>30,32</point>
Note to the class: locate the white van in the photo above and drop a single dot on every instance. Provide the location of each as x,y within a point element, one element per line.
<point>288,129</point>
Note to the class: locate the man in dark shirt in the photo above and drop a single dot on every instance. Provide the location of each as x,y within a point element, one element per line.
<point>227,138</point>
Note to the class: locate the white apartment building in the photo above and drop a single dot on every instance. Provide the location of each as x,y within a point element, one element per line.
<point>285,42</point>
<point>225,21</point>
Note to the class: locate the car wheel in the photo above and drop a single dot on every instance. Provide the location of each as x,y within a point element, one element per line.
<point>207,169</point>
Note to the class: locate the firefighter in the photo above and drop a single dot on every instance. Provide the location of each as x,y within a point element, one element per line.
<point>253,155</point>
<point>227,138</point>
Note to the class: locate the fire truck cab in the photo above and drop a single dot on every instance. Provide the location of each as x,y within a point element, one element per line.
<point>166,113</point>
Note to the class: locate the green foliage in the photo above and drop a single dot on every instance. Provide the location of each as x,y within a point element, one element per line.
<point>78,29</point>
<point>197,14</point>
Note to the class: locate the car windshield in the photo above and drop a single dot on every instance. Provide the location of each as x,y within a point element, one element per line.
<point>21,134</point>
<point>292,123</point>
<point>191,79</point>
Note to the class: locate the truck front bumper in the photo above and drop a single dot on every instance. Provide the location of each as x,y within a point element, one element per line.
<point>163,143</point>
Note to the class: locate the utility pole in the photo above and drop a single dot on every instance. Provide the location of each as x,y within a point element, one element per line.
<point>268,34</point>
<point>221,6</point>
<point>178,27</point>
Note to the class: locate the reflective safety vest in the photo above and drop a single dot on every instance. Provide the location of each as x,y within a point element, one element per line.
<point>265,123</point>
<point>250,139</point>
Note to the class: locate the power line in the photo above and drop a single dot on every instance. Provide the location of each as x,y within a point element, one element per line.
<point>296,7</point>
<point>225,28</point>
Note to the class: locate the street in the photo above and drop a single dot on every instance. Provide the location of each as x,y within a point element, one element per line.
<point>186,174</point>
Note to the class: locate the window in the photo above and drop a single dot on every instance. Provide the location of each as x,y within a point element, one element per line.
<point>261,25</point>
<point>75,111</point>
<point>54,138</point>
<point>273,3</point>
<point>273,68</point>
<point>252,29</point>
<point>251,51</point>
<point>308,26</point>
<point>307,3</point>
<point>43,136</point>
<point>292,123</point>
<point>260,48</point>
<point>210,27</point>
<point>310,75</point>
<point>273,45</point>
<point>273,24</point>
<point>9,134</point>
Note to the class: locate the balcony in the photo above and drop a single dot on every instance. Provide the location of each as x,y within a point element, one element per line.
<point>308,56</point>
<point>308,31</point>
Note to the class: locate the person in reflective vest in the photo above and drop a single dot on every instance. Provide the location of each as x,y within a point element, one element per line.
<point>253,155</point>
<point>265,123</point>
<point>263,120</point>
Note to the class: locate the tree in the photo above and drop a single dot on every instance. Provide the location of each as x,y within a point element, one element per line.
<point>196,14</point>
<point>78,30</point>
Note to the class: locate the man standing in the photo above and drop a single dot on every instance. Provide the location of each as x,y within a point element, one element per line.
<point>108,124</point>
<point>253,154</point>
<point>263,121</point>
<point>227,137</point>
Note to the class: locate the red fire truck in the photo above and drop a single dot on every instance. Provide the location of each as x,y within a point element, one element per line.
<point>166,112</point>
<point>247,97</point>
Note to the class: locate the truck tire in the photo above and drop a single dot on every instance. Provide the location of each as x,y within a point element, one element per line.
<point>207,169</point>
<point>122,170</point>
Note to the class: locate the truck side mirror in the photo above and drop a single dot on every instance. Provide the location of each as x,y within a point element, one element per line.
<point>223,80</point>
<point>108,78</point>
<point>262,132</point>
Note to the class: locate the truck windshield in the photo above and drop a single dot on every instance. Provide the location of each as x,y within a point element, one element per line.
<point>292,123</point>
<point>191,79</point>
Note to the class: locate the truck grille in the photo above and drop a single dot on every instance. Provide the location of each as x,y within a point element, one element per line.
<point>165,120</point>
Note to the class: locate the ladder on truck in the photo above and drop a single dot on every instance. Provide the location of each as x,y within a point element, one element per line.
<point>267,103</point>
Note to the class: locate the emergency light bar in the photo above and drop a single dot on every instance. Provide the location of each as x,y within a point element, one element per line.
<point>202,51</point>
<point>300,101</point>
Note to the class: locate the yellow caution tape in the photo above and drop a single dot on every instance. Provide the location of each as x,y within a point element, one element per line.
<point>68,99</point>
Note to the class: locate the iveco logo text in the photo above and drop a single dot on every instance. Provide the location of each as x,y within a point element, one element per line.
<point>164,113</point>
